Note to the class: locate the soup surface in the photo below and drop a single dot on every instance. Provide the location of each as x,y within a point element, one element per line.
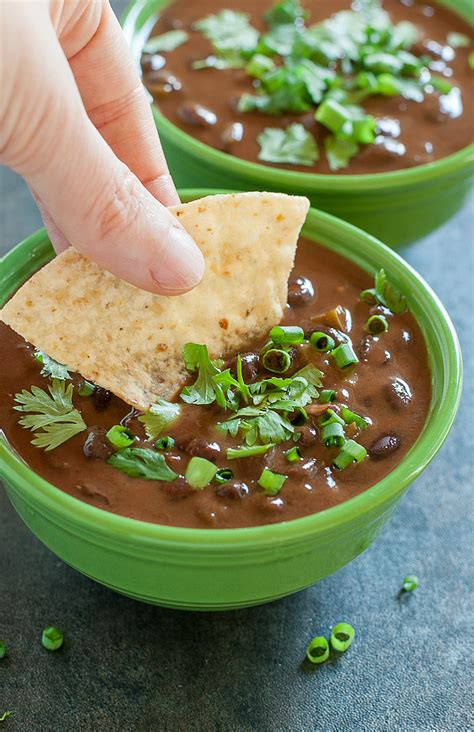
<point>379,403</point>
<point>420,114</point>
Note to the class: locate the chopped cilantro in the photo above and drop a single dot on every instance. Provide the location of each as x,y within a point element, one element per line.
<point>295,145</point>
<point>339,151</point>
<point>139,462</point>
<point>53,417</point>
<point>166,41</point>
<point>51,368</point>
<point>286,11</point>
<point>228,31</point>
<point>160,414</point>
<point>196,358</point>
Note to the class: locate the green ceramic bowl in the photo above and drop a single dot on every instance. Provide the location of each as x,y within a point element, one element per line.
<point>397,207</point>
<point>205,569</point>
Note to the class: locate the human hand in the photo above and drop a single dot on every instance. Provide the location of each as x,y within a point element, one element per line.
<point>76,124</point>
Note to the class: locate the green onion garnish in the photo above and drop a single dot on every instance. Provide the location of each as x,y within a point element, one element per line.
<point>376,325</point>
<point>318,650</point>
<point>332,435</point>
<point>331,416</point>
<point>351,417</point>
<point>276,361</point>
<point>327,396</point>
<point>410,583</point>
<point>271,483</point>
<point>52,639</point>
<point>86,389</point>
<point>285,335</point>
<point>351,452</point>
<point>293,454</point>
<point>165,443</point>
<point>120,436</point>
<point>368,296</point>
<point>342,636</point>
<point>3,649</point>
<point>470,60</point>
<point>333,115</point>
<point>344,355</point>
<point>200,472</point>
<point>223,475</point>
<point>322,342</point>
<point>247,451</point>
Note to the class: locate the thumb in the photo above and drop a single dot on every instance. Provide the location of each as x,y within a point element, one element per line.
<point>95,200</point>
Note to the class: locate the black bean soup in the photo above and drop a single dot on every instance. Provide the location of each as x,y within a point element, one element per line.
<point>357,386</point>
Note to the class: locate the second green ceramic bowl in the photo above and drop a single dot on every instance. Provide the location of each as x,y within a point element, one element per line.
<point>205,569</point>
<point>397,207</point>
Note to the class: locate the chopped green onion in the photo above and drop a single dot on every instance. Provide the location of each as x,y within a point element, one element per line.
<point>342,636</point>
<point>285,335</point>
<point>470,60</point>
<point>322,342</point>
<point>351,417</point>
<point>376,325</point>
<point>52,639</point>
<point>332,115</point>
<point>223,475</point>
<point>165,443</point>
<point>327,396</point>
<point>271,483</point>
<point>3,649</point>
<point>200,472</point>
<point>410,583</point>
<point>440,85</point>
<point>318,650</point>
<point>458,40</point>
<point>344,355</point>
<point>293,454</point>
<point>332,435</point>
<point>329,417</point>
<point>247,451</point>
<point>351,452</point>
<point>120,436</point>
<point>86,389</point>
<point>368,296</point>
<point>276,361</point>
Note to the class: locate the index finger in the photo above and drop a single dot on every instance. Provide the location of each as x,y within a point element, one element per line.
<point>116,103</point>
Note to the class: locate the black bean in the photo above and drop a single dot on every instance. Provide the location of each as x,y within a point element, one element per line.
<point>161,82</point>
<point>300,291</point>
<point>398,394</point>
<point>96,444</point>
<point>309,436</point>
<point>101,398</point>
<point>384,446</point>
<point>233,490</point>
<point>200,448</point>
<point>197,115</point>
<point>250,365</point>
<point>178,488</point>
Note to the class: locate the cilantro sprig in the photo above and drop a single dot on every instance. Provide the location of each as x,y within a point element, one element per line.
<point>51,368</point>
<point>160,414</point>
<point>140,462</point>
<point>51,417</point>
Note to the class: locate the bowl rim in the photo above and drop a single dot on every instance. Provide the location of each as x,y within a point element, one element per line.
<point>143,11</point>
<point>361,248</point>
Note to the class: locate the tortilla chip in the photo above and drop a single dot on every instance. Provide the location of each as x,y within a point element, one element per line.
<point>129,341</point>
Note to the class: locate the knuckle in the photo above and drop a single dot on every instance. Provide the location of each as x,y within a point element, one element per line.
<point>118,208</point>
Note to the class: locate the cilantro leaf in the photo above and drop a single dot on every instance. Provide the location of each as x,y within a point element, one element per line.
<point>339,151</point>
<point>388,295</point>
<point>160,414</point>
<point>51,367</point>
<point>229,31</point>
<point>138,462</point>
<point>196,357</point>
<point>295,145</point>
<point>286,11</point>
<point>265,425</point>
<point>53,417</point>
<point>166,41</point>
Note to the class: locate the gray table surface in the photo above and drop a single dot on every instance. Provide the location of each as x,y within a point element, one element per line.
<point>129,666</point>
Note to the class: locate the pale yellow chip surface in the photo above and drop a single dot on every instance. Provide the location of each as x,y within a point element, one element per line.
<point>128,340</point>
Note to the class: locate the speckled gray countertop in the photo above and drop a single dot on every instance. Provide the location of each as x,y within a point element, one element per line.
<point>128,666</point>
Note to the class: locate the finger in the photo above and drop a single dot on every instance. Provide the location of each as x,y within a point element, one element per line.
<point>115,99</point>
<point>56,237</point>
<point>96,202</point>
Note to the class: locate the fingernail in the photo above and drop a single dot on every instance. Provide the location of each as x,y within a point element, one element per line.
<point>181,267</point>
